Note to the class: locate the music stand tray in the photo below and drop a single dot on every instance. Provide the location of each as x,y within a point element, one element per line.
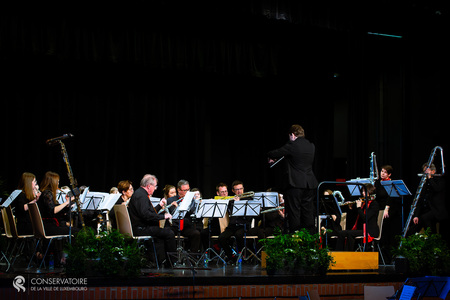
<point>355,189</point>
<point>395,188</point>
<point>267,199</point>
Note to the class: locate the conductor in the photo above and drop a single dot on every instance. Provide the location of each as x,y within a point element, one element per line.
<point>299,180</point>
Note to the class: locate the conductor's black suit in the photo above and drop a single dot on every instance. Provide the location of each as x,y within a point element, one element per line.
<point>300,182</point>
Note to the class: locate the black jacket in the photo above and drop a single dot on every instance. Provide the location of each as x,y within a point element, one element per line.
<point>142,213</point>
<point>299,155</point>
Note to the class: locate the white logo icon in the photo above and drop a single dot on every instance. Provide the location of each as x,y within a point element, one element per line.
<point>18,283</point>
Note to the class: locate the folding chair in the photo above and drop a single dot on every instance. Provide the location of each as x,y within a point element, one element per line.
<point>11,232</point>
<point>124,226</point>
<point>39,232</point>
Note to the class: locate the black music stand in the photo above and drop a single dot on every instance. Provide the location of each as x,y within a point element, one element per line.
<point>183,257</point>
<point>357,190</point>
<point>246,208</point>
<point>396,188</point>
<point>211,208</point>
<point>268,200</point>
<point>328,205</point>
<point>429,286</point>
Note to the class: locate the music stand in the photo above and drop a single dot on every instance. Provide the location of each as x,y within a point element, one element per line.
<point>179,214</point>
<point>211,208</point>
<point>396,188</point>
<point>357,188</point>
<point>246,208</point>
<point>267,199</point>
<point>11,198</point>
<point>430,286</point>
<point>329,205</point>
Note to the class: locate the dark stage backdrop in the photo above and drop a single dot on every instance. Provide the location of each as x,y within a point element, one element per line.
<point>203,96</point>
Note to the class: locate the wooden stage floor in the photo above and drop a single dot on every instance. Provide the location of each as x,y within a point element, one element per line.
<point>246,281</point>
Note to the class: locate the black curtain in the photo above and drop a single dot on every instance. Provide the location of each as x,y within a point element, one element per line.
<point>202,91</point>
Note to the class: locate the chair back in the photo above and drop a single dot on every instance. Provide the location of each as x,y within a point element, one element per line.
<point>380,224</point>
<point>12,222</point>
<point>223,222</point>
<point>123,220</point>
<point>36,221</point>
<point>6,224</point>
<point>344,221</point>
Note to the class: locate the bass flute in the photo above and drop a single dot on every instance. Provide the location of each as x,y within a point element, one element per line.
<point>73,182</point>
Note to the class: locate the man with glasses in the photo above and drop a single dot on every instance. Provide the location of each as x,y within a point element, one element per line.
<point>145,218</point>
<point>236,227</point>
<point>185,226</point>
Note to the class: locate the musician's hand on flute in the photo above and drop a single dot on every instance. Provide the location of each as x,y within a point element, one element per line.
<point>163,202</point>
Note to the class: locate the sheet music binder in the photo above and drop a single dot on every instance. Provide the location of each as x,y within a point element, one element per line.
<point>395,188</point>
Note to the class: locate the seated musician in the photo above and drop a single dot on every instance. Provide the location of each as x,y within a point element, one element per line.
<point>346,238</point>
<point>212,225</point>
<point>236,226</point>
<point>55,216</point>
<point>145,218</point>
<point>29,194</point>
<point>125,188</point>
<point>186,225</point>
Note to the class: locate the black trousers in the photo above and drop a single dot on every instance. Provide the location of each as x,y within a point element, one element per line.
<point>164,240</point>
<point>299,204</point>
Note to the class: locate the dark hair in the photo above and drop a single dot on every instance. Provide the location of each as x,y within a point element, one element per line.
<point>220,185</point>
<point>297,130</point>
<point>389,169</point>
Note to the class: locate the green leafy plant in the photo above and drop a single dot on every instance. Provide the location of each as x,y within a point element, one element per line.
<point>109,253</point>
<point>300,252</point>
<point>426,253</point>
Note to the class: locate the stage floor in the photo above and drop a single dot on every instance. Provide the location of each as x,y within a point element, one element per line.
<point>246,281</point>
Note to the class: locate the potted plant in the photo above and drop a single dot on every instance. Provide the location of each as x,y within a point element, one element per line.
<point>298,253</point>
<point>108,253</point>
<point>425,254</point>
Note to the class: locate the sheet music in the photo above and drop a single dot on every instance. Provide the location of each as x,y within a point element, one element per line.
<point>184,205</point>
<point>108,202</point>
<point>155,201</point>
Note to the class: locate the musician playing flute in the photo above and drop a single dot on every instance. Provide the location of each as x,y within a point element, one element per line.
<point>145,218</point>
<point>346,238</point>
<point>300,182</point>
<point>186,225</point>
